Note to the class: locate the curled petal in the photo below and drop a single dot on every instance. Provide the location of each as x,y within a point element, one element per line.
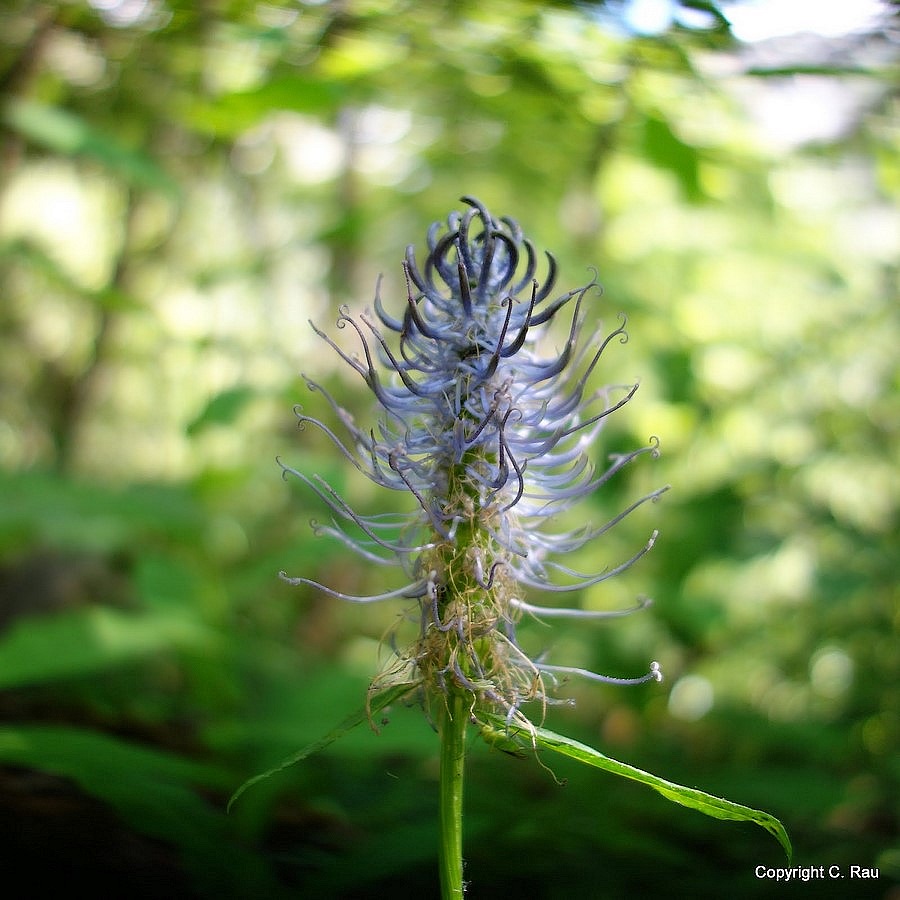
<point>655,674</point>
<point>409,590</point>
<point>559,612</point>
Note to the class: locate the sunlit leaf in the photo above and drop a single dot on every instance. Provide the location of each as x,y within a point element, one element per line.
<point>235,113</point>
<point>89,641</point>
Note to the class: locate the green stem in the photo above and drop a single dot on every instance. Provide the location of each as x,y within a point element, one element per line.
<point>453,756</point>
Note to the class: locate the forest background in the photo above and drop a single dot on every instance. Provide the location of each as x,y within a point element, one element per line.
<point>183,186</point>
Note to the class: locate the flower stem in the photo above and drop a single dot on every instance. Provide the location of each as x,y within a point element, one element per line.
<point>453,755</point>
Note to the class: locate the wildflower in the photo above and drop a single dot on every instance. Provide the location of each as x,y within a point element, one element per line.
<point>490,441</point>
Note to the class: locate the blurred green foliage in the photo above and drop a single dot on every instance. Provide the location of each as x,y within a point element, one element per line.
<point>183,185</point>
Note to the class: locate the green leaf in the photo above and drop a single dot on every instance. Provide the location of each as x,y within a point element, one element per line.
<point>222,409</point>
<point>88,641</point>
<point>823,70</point>
<point>711,9</point>
<point>64,132</point>
<point>235,113</point>
<point>104,765</point>
<point>677,793</point>
<point>24,251</point>
<point>662,147</point>
<point>156,793</point>
<point>375,704</point>
<point>45,508</point>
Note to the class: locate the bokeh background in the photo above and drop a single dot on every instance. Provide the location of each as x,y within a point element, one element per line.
<point>183,186</point>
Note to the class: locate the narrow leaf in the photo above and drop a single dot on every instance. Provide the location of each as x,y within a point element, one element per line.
<point>375,704</point>
<point>684,796</point>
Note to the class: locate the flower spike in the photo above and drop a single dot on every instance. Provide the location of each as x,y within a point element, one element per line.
<point>490,441</point>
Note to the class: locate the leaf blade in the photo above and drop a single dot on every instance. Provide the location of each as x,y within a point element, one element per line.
<point>692,798</point>
<point>374,704</point>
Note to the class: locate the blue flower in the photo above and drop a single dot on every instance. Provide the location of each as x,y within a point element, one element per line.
<point>490,440</point>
